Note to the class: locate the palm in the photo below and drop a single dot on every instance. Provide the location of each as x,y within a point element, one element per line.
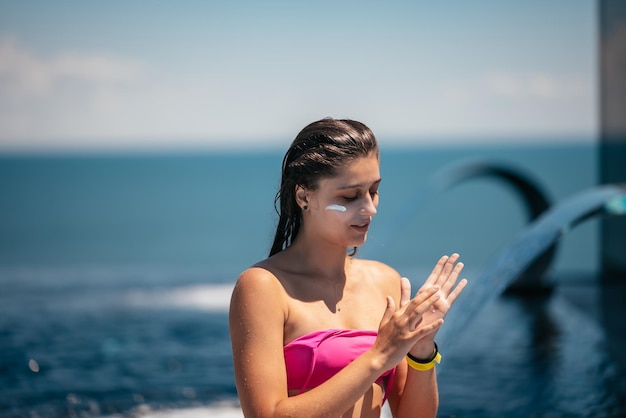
<point>444,275</point>
<point>438,310</point>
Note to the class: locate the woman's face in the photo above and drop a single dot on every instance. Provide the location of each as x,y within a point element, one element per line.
<point>342,207</point>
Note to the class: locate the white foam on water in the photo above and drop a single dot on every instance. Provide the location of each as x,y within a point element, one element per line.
<point>214,412</point>
<point>218,410</point>
<point>199,297</point>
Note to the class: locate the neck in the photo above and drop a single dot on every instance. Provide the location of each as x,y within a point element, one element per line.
<point>328,262</point>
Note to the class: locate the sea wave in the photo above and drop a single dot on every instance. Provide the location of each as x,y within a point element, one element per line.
<point>223,409</point>
<point>220,410</point>
<point>200,297</point>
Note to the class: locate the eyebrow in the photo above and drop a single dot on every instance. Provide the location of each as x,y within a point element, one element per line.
<point>360,185</point>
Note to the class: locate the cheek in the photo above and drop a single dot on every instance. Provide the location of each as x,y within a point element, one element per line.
<point>341,211</point>
<point>336,208</point>
<point>336,215</point>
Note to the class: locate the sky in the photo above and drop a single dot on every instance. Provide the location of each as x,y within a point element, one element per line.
<point>248,74</point>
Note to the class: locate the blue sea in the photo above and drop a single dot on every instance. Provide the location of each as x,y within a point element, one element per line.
<point>116,272</point>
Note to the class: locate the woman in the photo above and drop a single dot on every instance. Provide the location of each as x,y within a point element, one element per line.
<point>317,332</point>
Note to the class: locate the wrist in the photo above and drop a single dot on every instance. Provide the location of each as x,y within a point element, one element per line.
<point>423,352</point>
<point>376,361</point>
<point>424,364</point>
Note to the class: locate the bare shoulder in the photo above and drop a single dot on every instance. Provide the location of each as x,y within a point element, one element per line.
<point>385,276</point>
<point>258,289</point>
<point>258,280</point>
<point>378,269</point>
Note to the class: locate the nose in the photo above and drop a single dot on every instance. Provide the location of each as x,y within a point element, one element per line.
<point>369,206</point>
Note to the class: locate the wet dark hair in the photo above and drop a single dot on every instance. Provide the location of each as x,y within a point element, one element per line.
<point>317,152</point>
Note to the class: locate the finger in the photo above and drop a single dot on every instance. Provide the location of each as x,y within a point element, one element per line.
<point>449,282</point>
<point>389,310</point>
<point>405,291</point>
<point>447,269</point>
<point>427,303</point>
<point>422,296</point>
<point>457,291</point>
<point>421,302</point>
<point>427,329</point>
<point>434,275</point>
<point>416,313</point>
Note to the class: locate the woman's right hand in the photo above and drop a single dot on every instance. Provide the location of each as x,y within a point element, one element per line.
<point>421,316</point>
<point>401,327</point>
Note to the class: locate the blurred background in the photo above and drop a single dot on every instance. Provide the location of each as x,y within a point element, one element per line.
<point>139,76</point>
<point>167,82</point>
<point>140,152</point>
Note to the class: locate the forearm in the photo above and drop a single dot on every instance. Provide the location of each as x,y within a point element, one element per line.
<point>337,395</point>
<point>420,397</point>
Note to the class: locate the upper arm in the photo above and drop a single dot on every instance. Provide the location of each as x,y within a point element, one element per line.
<point>256,321</point>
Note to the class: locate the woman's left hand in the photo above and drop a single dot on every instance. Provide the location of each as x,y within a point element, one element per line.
<point>444,275</point>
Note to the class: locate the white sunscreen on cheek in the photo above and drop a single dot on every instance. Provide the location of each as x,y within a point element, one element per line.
<point>337,208</point>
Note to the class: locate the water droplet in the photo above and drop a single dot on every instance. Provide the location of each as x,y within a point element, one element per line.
<point>33,365</point>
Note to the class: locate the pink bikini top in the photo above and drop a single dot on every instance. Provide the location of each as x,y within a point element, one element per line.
<point>314,358</point>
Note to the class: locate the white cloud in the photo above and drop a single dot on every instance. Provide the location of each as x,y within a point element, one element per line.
<point>487,107</point>
<point>94,100</point>
<point>61,98</point>
<point>539,86</point>
<point>25,75</point>
<point>95,68</point>
<point>87,100</point>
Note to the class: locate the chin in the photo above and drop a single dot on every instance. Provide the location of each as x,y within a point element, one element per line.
<point>357,242</point>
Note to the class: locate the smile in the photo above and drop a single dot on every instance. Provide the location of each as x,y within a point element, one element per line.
<point>362,227</point>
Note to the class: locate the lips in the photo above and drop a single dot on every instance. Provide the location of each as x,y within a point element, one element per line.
<point>362,227</point>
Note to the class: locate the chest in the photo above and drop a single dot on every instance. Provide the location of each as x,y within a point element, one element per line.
<point>356,305</point>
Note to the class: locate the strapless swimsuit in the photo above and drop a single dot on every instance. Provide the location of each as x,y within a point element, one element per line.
<point>314,358</point>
